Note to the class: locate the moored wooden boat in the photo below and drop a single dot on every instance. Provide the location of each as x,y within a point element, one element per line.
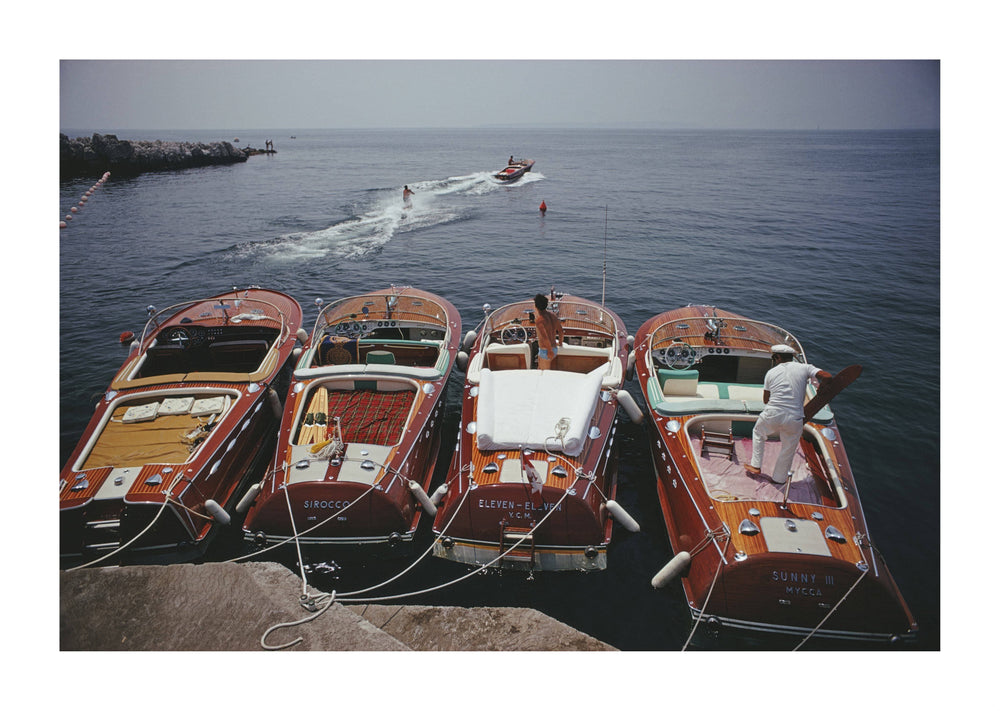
<point>755,556</point>
<point>174,437</point>
<point>532,481</point>
<point>514,170</point>
<point>362,425</point>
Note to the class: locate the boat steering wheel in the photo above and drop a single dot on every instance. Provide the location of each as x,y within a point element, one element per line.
<point>513,332</point>
<point>679,356</point>
<point>179,336</point>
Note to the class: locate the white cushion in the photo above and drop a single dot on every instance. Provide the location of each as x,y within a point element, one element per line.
<point>522,408</point>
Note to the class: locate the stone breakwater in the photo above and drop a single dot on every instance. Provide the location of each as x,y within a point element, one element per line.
<point>81,157</point>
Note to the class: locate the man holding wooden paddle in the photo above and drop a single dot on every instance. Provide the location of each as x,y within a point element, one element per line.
<point>784,393</point>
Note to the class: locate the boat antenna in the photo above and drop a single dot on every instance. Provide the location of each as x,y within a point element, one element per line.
<point>604,269</point>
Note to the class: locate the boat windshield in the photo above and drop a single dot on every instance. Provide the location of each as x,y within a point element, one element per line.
<point>732,333</point>
<point>579,317</point>
<point>382,315</point>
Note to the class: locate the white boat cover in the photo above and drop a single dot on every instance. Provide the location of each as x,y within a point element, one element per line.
<point>536,409</point>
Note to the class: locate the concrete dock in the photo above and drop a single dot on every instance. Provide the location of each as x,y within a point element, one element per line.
<point>231,606</point>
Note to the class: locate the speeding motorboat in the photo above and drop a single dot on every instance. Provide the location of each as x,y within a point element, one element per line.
<point>514,170</point>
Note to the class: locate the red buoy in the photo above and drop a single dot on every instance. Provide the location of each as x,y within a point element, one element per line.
<point>542,207</point>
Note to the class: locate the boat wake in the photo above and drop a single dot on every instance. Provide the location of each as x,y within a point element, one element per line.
<point>435,202</point>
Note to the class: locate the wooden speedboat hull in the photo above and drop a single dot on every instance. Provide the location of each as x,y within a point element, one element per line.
<point>361,428</point>
<point>185,419</point>
<point>764,558</point>
<point>514,171</point>
<point>526,503</point>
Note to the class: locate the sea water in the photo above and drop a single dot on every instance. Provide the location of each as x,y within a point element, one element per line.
<point>832,235</point>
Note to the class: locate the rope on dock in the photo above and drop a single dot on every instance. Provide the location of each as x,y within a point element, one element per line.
<point>307,600</point>
<point>280,625</point>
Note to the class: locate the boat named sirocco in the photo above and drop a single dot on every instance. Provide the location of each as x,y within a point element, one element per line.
<point>362,425</point>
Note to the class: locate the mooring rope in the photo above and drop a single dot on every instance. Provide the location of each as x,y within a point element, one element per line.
<point>280,625</point>
<point>122,547</point>
<point>140,534</point>
<point>423,555</point>
<point>475,571</point>
<point>701,612</point>
<point>294,538</point>
<point>832,610</point>
<point>705,542</point>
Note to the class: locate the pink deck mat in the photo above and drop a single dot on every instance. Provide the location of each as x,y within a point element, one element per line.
<point>727,480</point>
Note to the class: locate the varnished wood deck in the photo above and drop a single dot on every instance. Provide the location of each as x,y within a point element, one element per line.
<point>410,305</point>
<point>690,325</point>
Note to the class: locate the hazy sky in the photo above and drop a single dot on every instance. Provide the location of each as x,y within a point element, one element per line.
<point>248,94</point>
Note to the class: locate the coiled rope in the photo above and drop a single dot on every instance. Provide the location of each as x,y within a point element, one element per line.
<point>397,596</point>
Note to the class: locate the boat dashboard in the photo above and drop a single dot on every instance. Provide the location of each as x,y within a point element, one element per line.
<point>220,349</point>
<point>714,363</point>
<point>389,329</point>
<point>383,341</point>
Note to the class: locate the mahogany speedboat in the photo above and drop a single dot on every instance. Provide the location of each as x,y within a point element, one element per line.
<point>755,556</point>
<point>180,426</point>
<point>532,481</point>
<point>362,425</point>
<point>515,170</point>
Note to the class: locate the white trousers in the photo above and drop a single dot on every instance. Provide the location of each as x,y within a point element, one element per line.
<point>788,428</point>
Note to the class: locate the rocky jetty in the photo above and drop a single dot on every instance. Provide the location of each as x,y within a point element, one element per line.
<point>82,157</point>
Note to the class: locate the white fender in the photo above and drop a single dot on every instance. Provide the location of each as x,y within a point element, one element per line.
<point>248,498</point>
<point>469,339</point>
<point>630,365</point>
<point>439,493</point>
<point>462,360</point>
<point>302,336</point>
<point>272,397</point>
<point>622,516</point>
<point>628,404</point>
<point>217,512</point>
<point>677,566</point>
<point>420,495</point>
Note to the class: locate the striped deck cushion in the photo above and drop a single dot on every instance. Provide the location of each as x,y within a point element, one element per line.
<point>370,416</point>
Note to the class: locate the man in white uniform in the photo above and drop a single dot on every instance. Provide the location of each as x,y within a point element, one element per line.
<point>784,394</point>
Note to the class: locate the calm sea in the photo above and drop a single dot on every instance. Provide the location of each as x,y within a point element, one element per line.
<point>833,235</point>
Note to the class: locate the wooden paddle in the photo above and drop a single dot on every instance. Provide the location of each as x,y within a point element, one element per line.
<point>828,390</point>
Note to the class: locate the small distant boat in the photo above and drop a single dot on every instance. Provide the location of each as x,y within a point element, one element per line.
<point>515,170</point>
<point>532,481</point>
<point>362,425</point>
<point>756,557</point>
<point>176,434</point>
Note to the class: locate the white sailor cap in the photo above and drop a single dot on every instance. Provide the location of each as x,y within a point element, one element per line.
<point>782,348</point>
